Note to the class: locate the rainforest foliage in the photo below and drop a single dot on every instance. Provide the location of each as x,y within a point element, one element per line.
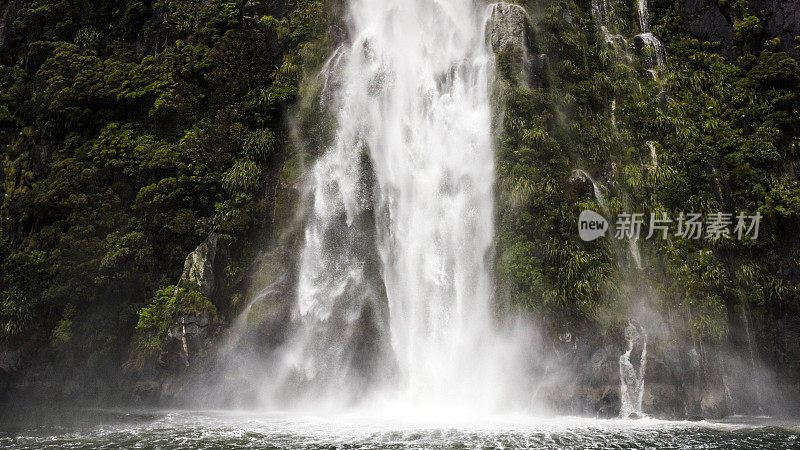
<point>703,134</point>
<point>131,130</point>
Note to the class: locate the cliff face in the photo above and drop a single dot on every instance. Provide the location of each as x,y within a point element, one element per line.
<point>712,21</point>
<point>781,19</point>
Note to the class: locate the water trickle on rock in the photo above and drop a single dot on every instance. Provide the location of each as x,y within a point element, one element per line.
<point>632,365</point>
<point>656,54</point>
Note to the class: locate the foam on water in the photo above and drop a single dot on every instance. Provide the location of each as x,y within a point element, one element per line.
<point>124,429</point>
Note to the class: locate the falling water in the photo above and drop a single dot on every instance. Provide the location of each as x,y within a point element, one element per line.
<point>581,174</point>
<point>603,12</point>
<point>649,40</point>
<point>651,145</point>
<point>631,371</point>
<point>394,288</point>
<point>614,113</point>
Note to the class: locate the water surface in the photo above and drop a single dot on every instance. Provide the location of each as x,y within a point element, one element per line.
<point>184,429</point>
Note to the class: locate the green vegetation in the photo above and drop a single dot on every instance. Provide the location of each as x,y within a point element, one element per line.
<point>131,130</point>
<point>726,137</point>
<point>167,305</point>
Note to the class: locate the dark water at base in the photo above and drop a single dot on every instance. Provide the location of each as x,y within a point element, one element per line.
<point>167,430</point>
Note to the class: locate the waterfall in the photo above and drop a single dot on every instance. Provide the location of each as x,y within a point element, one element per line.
<point>651,145</point>
<point>655,54</point>
<point>631,372</point>
<point>614,113</point>
<point>581,174</point>
<point>658,54</point>
<point>602,12</point>
<point>631,368</point>
<point>394,292</point>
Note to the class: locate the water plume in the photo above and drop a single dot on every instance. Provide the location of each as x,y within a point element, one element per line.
<point>394,297</point>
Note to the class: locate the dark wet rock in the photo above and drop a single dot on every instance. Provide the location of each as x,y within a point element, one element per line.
<point>8,13</point>
<point>9,359</point>
<point>713,402</point>
<point>781,19</point>
<point>147,392</point>
<point>663,101</point>
<point>187,337</point>
<point>41,159</point>
<point>539,66</point>
<point>159,35</point>
<point>712,21</point>
<point>664,400</point>
<point>254,9</point>
<point>608,403</point>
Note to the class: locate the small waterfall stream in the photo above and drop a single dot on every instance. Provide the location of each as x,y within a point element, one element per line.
<point>632,366</point>
<point>633,362</point>
<point>656,54</point>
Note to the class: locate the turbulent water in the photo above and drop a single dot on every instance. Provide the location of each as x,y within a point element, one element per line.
<point>103,429</point>
<point>395,287</point>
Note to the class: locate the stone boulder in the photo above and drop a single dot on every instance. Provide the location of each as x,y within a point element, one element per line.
<point>188,335</point>
<point>199,265</point>
<point>506,27</point>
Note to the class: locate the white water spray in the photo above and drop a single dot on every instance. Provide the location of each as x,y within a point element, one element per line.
<point>395,287</point>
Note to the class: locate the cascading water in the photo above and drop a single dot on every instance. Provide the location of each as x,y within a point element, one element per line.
<point>602,12</point>
<point>394,287</point>
<point>649,40</point>
<point>581,174</point>
<point>651,145</point>
<point>631,372</point>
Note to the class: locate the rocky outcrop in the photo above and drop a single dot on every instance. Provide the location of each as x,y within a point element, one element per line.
<point>507,27</point>
<point>709,21</point>
<point>8,13</point>
<point>158,37</point>
<point>712,21</point>
<point>199,265</point>
<point>508,31</point>
<point>189,335</point>
<point>781,19</point>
